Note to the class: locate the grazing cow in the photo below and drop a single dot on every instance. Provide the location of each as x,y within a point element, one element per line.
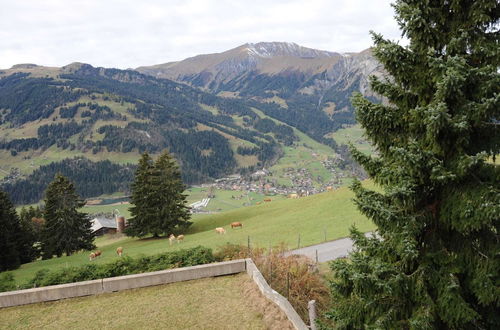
<point>267,200</point>
<point>180,238</point>
<point>94,255</point>
<point>329,188</point>
<point>258,203</point>
<point>171,238</point>
<point>293,196</point>
<point>236,224</point>
<point>220,230</point>
<point>119,251</point>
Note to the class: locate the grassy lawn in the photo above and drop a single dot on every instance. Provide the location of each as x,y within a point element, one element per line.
<point>183,305</point>
<point>353,134</point>
<point>220,203</point>
<point>330,213</point>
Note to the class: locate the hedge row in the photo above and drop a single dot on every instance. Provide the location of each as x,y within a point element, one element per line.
<point>124,266</point>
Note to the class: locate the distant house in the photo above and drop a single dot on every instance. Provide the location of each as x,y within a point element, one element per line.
<point>101,226</point>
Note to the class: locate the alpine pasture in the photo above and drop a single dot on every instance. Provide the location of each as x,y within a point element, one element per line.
<point>312,220</point>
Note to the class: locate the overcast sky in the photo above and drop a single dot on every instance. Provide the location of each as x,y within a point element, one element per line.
<point>131,33</point>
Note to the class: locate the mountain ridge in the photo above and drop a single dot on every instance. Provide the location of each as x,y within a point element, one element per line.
<point>265,70</point>
<point>275,97</point>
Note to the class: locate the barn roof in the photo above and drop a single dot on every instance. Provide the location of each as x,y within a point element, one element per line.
<point>101,222</point>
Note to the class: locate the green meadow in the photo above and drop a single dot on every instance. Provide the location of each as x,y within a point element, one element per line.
<point>305,221</point>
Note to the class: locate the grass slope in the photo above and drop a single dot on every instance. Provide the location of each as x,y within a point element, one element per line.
<point>184,305</point>
<point>280,221</point>
<point>355,135</point>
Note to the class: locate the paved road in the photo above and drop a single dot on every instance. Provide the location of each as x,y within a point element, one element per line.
<point>327,251</point>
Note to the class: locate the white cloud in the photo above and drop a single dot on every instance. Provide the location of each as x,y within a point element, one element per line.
<point>127,33</point>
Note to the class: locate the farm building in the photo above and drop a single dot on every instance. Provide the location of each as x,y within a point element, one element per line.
<point>102,225</point>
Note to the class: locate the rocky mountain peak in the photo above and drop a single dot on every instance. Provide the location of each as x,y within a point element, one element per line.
<point>274,49</point>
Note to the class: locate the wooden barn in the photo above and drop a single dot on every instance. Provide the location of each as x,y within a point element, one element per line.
<point>101,226</point>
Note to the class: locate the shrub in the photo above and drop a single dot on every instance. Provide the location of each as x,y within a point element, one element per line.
<point>7,282</point>
<point>294,277</point>
<point>123,266</point>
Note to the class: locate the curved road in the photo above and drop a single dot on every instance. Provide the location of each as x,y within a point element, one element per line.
<point>327,251</point>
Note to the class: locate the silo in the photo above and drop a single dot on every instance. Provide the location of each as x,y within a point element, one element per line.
<point>120,224</point>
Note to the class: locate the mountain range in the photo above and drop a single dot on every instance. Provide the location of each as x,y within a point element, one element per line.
<point>268,70</point>
<point>222,113</point>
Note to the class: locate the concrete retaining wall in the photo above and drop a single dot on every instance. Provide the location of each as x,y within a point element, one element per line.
<point>274,296</point>
<point>79,289</point>
<point>87,288</point>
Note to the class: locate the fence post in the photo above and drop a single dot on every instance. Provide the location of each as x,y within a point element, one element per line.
<point>298,243</point>
<point>316,256</point>
<point>249,251</point>
<point>270,272</point>
<point>288,285</point>
<point>312,314</point>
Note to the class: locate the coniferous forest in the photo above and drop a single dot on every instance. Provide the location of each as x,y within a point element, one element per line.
<point>76,114</point>
<point>90,178</point>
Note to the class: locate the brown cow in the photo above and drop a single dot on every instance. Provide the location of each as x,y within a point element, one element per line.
<point>258,203</point>
<point>267,199</point>
<point>94,255</point>
<point>220,230</point>
<point>119,251</point>
<point>329,188</point>
<point>171,238</point>
<point>180,238</point>
<point>236,224</point>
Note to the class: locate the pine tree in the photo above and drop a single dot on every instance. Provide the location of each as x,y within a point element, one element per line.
<point>170,200</point>
<point>26,242</point>
<point>10,254</point>
<point>434,262</point>
<point>66,230</point>
<point>159,206</point>
<point>143,208</point>
<point>32,218</point>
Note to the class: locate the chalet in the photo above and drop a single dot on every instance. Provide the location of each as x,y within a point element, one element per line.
<point>102,225</point>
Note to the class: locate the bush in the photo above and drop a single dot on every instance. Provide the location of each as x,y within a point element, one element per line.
<point>231,251</point>
<point>294,277</point>
<point>7,282</point>
<point>124,266</point>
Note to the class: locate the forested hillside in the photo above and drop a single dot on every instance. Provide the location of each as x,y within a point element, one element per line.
<point>50,115</point>
<point>90,178</point>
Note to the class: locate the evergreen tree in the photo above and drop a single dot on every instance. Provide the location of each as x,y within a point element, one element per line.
<point>66,230</point>
<point>434,262</point>
<point>142,210</point>
<point>10,254</point>
<point>31,220</point>
<point>172,212</point>
<point>159,206</point>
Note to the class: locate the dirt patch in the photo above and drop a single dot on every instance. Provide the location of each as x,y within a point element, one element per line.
<point>93,202</point>
<point>120,203</point>
<point>274,318</point>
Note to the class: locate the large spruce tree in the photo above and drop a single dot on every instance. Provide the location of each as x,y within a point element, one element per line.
<point>173,214</point>
<point>434,263</point>
<point>66,230</point>
<point>159,205</point>
<point>143,208</point>
<point>10,233</point>
<point>17,240</point>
